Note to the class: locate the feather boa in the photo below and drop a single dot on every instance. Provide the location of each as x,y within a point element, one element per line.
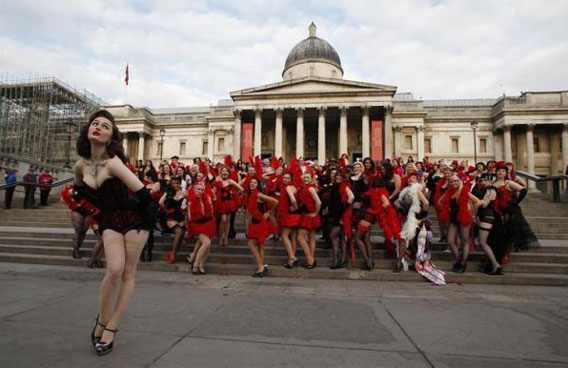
<point>252,205</point>
<point>195,209</point>
<point>408,231</point>
<point>464,216</point>
<point>348,213</point>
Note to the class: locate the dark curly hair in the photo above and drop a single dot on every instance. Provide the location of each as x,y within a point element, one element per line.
<point>114,146</point>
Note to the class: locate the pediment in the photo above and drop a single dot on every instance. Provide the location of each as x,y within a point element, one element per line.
<point>314,85</point>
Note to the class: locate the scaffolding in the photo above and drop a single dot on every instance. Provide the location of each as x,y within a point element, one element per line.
<point>40,118</point>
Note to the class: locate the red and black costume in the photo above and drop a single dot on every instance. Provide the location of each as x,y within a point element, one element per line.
<point>200,215</point>
<point>120,209</point>
<point>456,210</point>
<point>387,217</point>
<point>80,206</point>
<point>259,228</point>
<point>309,206</point>
<point>287,217</point>
<point>173,209</point>
<point>227,198</point>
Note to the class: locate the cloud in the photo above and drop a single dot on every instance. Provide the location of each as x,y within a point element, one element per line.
<point>193,53</point>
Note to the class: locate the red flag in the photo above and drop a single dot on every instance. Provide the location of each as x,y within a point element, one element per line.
<point>126,77</point>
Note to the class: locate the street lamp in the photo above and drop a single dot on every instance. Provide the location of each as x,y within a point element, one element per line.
<point>162,134</point>
<point>474,125</point>
<point>70,125</point>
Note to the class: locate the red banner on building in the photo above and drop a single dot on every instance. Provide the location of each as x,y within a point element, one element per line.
<point>247,142</point>
<point>377,140</point>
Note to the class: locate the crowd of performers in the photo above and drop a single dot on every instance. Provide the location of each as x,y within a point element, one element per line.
<point>290,201</point>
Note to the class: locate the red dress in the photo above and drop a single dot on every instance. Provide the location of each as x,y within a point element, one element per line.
<point>386,217</point>
<point>307,222</point>
<point>285,217</point>
<point>226,198</point>
<point>258,228</point>
<point>201,219</point>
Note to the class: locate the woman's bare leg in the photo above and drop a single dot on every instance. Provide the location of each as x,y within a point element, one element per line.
<point>288,243</point>
<point>305,246</point>
<point>334,237</point>
<point>133,242</point>
<point>484,229</point>
<point>312,237</point>
<point>202,253</point>
<point>452,241</point>
<point>252,244</point>
<point>466,245</point>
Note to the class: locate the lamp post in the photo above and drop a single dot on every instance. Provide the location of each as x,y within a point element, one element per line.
<point>474,125</point>
<point>162,134</point>
<point>70,125</point>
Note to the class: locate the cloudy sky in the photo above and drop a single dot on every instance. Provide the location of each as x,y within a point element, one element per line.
<point>191,53</point>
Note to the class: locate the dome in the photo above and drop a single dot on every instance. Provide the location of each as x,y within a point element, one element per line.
<point>312,49</point>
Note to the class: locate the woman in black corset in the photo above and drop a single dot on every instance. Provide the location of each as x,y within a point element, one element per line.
<point>172,202</point>
<point>486,219</point>
<point>126,215</point>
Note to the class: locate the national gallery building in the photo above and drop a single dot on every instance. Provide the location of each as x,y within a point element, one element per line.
<point>315,113</point>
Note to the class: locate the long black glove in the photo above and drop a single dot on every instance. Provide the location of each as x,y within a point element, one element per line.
<point>522,195</point>
<point>82,192</point>
<point>148,208</point>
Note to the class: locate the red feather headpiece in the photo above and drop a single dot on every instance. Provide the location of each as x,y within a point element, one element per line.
<point>275,162</point>
<point>203,167</point>
<point>228,161</point>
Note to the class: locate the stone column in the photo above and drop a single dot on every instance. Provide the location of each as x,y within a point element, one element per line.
<point>507,143</point>
<point>141,142</point>
<point>530,154</point>
<point>388,133</point>
<point>210,143</point>
<point>497,147</point>
<point>300,132</point>
<point>257,132</point>
<point>278,134</point>
<point>237,135</point>
<point>321,136</point>
<point>365,136</point>
<point>343,131</point>
<point>396,137</point>
<point>125,143</point>
<point>564,147</point>
<point>420,142</point>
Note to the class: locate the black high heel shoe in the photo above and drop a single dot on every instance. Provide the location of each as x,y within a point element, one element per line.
<point>76,253</point>
<point>103,348</point>
<point>96,339</point>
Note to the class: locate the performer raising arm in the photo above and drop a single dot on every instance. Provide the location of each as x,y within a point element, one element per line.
<point>102,178</point>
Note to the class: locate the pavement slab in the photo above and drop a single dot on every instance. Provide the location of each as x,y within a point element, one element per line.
<point>179,320</point>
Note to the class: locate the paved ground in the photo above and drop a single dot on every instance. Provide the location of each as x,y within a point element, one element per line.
<point>180,320</point>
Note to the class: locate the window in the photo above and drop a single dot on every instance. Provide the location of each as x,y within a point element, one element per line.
<point>159,150</point>
<point>182,148</point>
<point>455,145</point>
<point>221,145</point>
<point>483,145</point>
<point>428,145</point>
<point>205,148</point>
<point>408,142</point>
<point>536,145</point>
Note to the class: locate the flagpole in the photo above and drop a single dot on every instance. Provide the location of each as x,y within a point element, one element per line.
<point>126,79</point>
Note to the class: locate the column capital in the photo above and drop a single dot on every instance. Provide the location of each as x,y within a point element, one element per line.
<point>420,128</point>
<point>257,111</point>
<point>322,109</point>
<point>279,111</point>
<point>365,109</point>
<point>140,133</point>
<point>397,128</point>
<point>343,110</point>
<point>388,109</point>
<point>299,111</point>
<point>237,113</point>
<point>230,131</point>
<point>507,128</point>
<point>530,126</point>
<point>210,131</point>
<point>565,125</point>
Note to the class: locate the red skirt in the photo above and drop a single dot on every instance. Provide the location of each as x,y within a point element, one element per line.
<point>260,231</point>
<point>290,220</point>
<point>227,207</point>
<point>309,223</point>
<point>208,228</point>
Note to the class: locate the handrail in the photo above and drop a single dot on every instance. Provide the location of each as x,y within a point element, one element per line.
<point>52,185</point>
<point>555,179</point>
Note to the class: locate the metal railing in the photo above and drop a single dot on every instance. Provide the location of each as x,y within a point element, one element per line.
<point>556,179</point>
<point>38,185</point>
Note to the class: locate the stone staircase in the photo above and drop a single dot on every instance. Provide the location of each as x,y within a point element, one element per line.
<point>43,236</point>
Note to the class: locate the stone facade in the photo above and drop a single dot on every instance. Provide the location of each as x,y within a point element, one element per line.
<point>317,114</point>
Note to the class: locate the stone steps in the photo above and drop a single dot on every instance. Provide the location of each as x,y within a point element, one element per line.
<point>319,272</point>
<point>220,257</point>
